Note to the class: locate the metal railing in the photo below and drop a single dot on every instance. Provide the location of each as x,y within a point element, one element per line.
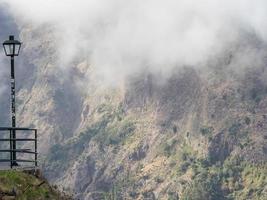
<point>11,140</point>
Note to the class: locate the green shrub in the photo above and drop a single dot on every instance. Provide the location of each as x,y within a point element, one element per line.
<point>118,132</point>
<point>173,196</point>
<point>247,120</point>
<point>169,147</point>
<point>206,130</point>
<point>234,129</point>
<point>159,179</point>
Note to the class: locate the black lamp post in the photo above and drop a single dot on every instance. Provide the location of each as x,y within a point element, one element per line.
<point>12,48</point>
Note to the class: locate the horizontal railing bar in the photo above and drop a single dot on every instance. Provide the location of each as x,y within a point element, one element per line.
<point>17,139</point>
<point>18,160</point>
<point>19,151</point>
<point>16,128</point>
<point>14,149</point>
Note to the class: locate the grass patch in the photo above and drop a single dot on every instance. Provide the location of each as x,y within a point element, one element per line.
<point>26,187</point>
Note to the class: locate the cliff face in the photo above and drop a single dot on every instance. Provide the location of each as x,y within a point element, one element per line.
<point>197,134</point>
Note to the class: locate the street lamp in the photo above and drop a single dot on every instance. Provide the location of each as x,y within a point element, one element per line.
<point>12,48</point>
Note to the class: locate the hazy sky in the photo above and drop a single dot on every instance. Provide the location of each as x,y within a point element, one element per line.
<point>120,36</point>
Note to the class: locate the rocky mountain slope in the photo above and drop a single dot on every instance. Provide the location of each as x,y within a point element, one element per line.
<point>199,133</point>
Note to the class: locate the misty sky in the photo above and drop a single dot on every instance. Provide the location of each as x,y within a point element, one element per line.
<point>120,36</point>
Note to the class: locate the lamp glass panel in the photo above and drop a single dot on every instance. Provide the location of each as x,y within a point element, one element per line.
<point>5,48</point>
<point>17,48</point>
<point>8,49</point>
<point>11,49</point>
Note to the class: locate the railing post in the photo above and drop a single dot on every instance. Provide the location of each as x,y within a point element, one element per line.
<point>35,146</point>
<point>10,146</point>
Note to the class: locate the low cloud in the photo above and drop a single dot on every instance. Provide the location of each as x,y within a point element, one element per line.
<point>120,37</point>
